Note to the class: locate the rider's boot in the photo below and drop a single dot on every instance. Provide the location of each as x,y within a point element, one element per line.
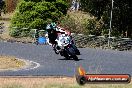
<point>55,48</point>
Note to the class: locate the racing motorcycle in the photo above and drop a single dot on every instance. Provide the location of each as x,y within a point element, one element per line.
<point>65,47</point>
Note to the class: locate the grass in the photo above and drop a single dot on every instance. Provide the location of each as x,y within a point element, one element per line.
<point>8,63</point>
<point>52,82</point>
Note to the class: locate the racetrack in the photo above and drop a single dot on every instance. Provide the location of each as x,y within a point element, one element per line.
<point>47,63</point>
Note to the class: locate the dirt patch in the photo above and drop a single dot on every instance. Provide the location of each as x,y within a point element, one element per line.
<point>8,63</point>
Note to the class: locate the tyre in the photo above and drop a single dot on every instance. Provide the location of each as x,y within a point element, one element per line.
<point>73,53</point>
<point>61,53</point>
<point>76,50</point>
<point>75,58</point>
<point>65,54</point>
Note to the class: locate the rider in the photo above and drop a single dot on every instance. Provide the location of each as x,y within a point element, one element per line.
<point>53,31</point>
<point>52,34</point>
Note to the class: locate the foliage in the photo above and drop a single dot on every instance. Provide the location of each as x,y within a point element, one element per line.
<point>35,14</point>
<point>91,26</point>
<point>122,19</point>
<point>75,22</point>
<point>68,23</point>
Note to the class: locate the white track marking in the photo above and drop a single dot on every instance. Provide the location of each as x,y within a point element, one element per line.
<point>37,65</point>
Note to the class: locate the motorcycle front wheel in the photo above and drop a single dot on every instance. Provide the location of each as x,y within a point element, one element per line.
<point>76,50</point>
<point>72,53</point>
<point>75,58</point>
<point>65,54</point>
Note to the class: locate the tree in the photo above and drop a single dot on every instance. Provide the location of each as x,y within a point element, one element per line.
<point>122,14</point>
<point>35,14</point>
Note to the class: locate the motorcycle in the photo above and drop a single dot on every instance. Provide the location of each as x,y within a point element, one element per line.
<point>65,47</point>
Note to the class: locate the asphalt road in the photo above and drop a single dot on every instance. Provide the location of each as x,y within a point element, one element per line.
<point>46,63</point>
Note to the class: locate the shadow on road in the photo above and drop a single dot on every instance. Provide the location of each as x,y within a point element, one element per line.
<point>69,59</point>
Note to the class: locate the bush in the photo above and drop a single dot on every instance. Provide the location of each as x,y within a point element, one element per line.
<point>37,23</point>
<point>90,26</point>
<point>75,22</point>
<point>15,32</point>
<point>25,6</point>
<point>35,15</point>
<point>83,23</point>
<point>69,23</point>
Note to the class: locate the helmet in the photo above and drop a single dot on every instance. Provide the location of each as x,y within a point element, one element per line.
<point>53,24</point>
